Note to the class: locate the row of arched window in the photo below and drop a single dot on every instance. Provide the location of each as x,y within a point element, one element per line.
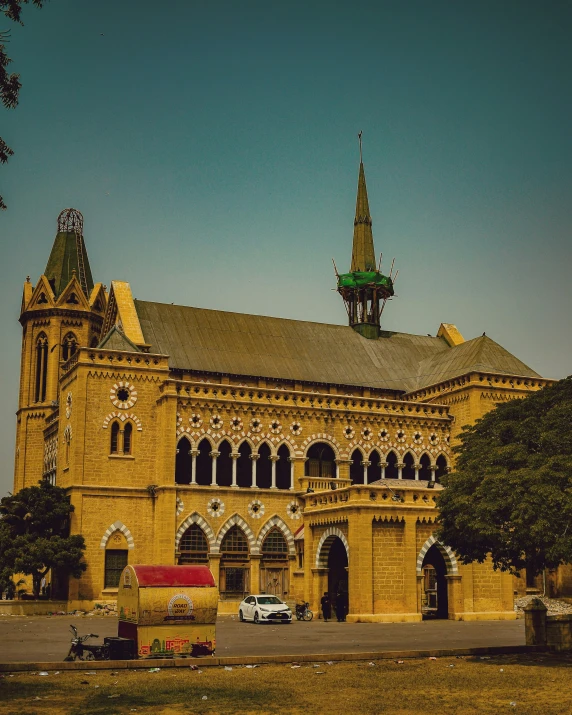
<point>225,467</point>
<point>121,438</point>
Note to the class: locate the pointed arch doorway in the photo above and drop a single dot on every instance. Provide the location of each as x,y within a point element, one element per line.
<point>332,560</point>
<point>434,597</point>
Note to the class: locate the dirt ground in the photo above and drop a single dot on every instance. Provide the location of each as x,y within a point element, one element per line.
<point>535,683</point>
<point>43,638</point>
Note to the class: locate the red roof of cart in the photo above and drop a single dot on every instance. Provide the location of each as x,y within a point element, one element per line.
<point>197,576</point>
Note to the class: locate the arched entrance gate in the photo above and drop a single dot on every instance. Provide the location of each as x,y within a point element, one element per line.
<point>332,559</point>
<point>434,563</point>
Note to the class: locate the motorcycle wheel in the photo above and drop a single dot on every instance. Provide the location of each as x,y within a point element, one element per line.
<point>308,615</point>
<point>88,655</point>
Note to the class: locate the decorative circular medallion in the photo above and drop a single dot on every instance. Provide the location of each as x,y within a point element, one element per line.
<point>383,435</point>
<point>196,420</point>
<point>215,507</point>
<point>294,510</point>
<point>256,509</point>
<point>255,425</point>
<point>296,428</point>
<point>123,395</point>
<point>216,422</point>
<point>236,424</point>
<point>434,438</point>
<point>349,431</point>
<point>69,399</point>
<point>275,427</point>
<point>400,435</point>
<point>367,433</point>
<point>418,438</point>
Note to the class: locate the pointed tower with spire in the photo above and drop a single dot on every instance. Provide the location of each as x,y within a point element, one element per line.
<point>364,289</point>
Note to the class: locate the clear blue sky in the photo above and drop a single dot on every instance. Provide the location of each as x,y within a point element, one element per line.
<point>212,149</point>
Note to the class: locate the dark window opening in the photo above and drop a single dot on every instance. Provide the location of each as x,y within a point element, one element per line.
<point>391,469</point>
<point>183,462</point>
<point>275,547</point>
<point>425,471</point>
<point>115,562</point>
<point>234,544</point>
<point>409,468</point>
<point>374,469</point>
<point>244,466</point>
<point>193,546</point>
<point>123,394</point>
<point>204,463</point>
<point>441,467</point>
<point>224,465</point>
<point>264,468</point>
<point>72,298</point>
<point>127,438</point>
<point>114,438</point>
<point>320,462</point>
<point>41,368</point>
<point>283,468</point>
<point>42,299</point>
<point>356,467</point>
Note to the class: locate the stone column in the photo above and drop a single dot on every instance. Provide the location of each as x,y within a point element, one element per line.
<point>454,596</point>
<point>291,460</point>
<point>319,586</point>
<point>417,467</point>
<point>360,573</point>
<point>298,466</point>
<point>255,573</point>
<point>400,466</point>
<point>433,469</point>
<point>254,457</point>
<point>214,565</point>
<point>383,466</point>
<point>365,465</point>
<point>194,454</point>
<point>410,565</point>
<point>343,468</point>
<point>273,458</point>
<point>214,456</point>
<point>234,456</point>
<point>535,622</point>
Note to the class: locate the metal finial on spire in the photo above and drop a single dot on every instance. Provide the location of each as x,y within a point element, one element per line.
<point>360,156</point>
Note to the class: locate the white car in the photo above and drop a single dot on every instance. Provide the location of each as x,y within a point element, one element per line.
<point>264,609</point>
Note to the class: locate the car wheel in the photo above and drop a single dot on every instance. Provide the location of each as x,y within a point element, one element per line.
<point>240,616</point>
<point>256,618</point>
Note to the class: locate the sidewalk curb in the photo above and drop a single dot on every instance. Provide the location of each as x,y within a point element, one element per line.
<point>208,662</point>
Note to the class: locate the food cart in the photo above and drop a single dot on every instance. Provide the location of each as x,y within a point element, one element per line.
<point>168,610</point>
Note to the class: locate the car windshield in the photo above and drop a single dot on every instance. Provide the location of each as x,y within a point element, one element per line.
<point>269,599</point>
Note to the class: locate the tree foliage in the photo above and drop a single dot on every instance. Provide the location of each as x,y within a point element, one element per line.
<point>510,495</point>
<point>34,534</point>
<point>10,84</point>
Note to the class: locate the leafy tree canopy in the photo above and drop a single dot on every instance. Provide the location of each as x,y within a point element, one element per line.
<point>510,495</point>
<point>10,84</point>
<point>34,534</point>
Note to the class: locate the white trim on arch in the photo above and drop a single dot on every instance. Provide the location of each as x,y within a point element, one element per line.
<point>326,541</point>
<point>117,526</point>
<point>446,552</point>
<point>281,525</point>
<point>237,520</point>
<point>195,518</point>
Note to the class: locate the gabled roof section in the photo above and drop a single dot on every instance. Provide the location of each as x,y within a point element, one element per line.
<point>72,296</point>
<point>42,295</point>
<point>69,254</point>
<point>277,348</point>
<point>478,355</point>
<point>116,340</point>
<point>98,299</point>
<point>121,312</point>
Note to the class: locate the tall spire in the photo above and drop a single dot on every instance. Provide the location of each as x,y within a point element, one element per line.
<point>69,254</point>
<point>363,252</point>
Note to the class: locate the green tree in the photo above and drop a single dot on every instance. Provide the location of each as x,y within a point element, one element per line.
<point>510,495</point>
<point>34,534</point>
<point>10,84</point>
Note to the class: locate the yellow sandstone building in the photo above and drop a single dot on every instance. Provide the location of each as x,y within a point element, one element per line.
<point>291,457</point>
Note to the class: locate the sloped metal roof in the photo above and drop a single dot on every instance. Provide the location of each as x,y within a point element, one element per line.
<point>254,345</point>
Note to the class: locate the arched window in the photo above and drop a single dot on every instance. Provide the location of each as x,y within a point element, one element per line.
<point>441,467</point>
<point>374,469</point>
<point>204,463</point>
<point>320,461</point>
<point>128,438</point>
<point>183,462</point>
<point>41,367</point>
<point>275,546</point>
<point>94,342</point>
<point>283,468</point>
<point>409,468</point>
<point>244,466</point>
<point>425,471</point>
<point>69,346</point>
<point>224,465</point>
<point>234,571</point>
<point>391,469</point>
<point>193,547</point>
<point>356,467</point>
<point>114,447</point>
<point>264,468</point>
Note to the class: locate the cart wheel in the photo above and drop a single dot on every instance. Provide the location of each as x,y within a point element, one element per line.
<point>256,619</point>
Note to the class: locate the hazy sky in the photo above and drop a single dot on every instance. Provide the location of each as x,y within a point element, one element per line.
<point>212,149</point>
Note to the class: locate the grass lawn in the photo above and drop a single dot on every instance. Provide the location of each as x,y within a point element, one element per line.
<point>526,684</point>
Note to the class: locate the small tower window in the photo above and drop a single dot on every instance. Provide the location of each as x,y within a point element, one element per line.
<point>127,438</point>
<point>72,298</point>
<point>69,346</point>
<point>114,438</point>
<point>41,367</point>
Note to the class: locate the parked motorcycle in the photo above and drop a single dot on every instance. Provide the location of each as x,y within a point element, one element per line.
<point>303,612</point>
<point>79,650</point>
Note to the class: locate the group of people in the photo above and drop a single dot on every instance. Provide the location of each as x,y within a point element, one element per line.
<point>340,604</point>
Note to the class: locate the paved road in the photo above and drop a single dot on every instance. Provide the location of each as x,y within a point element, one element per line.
<point>43,638</point>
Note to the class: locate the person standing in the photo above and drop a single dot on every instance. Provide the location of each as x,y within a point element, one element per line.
<point>326,606</point>
<point>340,607</point>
